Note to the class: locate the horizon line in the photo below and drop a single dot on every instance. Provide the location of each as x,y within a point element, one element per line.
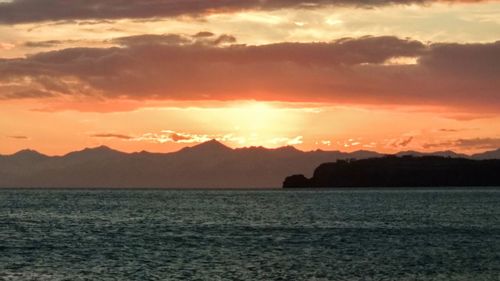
<point>244,147</point>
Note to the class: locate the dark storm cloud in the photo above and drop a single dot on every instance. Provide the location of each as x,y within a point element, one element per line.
<point>24,11</point>
<point>349,70</point>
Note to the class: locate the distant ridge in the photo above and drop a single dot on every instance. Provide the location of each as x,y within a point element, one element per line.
<point>494,154</point>
<point>446,153</point>
<point>207,165</point>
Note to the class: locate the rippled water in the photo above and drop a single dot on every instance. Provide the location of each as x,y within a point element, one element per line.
<point>249,235</point>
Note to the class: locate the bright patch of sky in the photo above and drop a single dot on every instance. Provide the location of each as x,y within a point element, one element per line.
<point>432,23</point>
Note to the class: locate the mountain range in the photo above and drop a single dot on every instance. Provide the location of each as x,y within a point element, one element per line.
<point>207,165</point>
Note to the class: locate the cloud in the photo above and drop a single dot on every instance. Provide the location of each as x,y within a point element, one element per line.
<point>171,136</point>
<point>456,130</point>
<point>153,39</point>
<point>350,143</point>
<point>472,143</point>
<point>163,137</point>
<point>326,142</point>
<point>18,137</point>
<point>112,136</point>
<point>204,38</point>
<point>25,11</point>
<point>203,34</point>
<point>167,136</point>
<point>287,141</point>
<point>448,130</point>
<point>6,46</point>
<point>348,70</point>
<point>26,94</point>
<point>400,142</point>
<point>48,43</point>
<point>180,137</point>
<point>404,142</point>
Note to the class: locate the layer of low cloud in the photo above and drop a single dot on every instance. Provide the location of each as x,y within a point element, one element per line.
<point>472,143</point>
<point>49,43</point>
<point>25,11</point>
<point>167,136</point>
<point>349,70</point>
<point>6,46</point>
<point>171,136</point>
<point>18,137</point>
<point>287,141</point>
<point>112,136</point>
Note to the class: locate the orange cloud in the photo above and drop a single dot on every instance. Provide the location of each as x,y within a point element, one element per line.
<point>18,137</point>
<point>349,70</point>
<point>468,144</point>
<point>24,11</point>
<point>171,136</point>
<point>287,141</point>
<point>6,46</point>
<point>111,135</point>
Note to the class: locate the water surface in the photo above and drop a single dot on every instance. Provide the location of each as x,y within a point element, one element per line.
<point>249,235</point>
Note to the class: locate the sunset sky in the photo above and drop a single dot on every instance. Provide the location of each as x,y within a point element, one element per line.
<point>159,75</point>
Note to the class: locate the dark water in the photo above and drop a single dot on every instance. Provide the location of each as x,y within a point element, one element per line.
<point>249,235</point>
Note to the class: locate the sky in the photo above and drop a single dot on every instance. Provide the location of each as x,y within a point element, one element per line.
<point>158,75</point>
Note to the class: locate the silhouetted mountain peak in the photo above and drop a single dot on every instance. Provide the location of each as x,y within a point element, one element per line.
<point>363,151</point>
<point>101,148</point>
<point>94,151</point>
<point>261,149</point>
<point>410,153</point>
<point>28,154</point>
<point>288,148</point>
<point>208,146</point>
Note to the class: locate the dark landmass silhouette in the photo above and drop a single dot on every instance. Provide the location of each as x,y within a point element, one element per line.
<point>207,165</point>
<point>404,171</point>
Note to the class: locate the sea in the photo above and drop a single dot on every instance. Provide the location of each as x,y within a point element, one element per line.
<point>315,234</point>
